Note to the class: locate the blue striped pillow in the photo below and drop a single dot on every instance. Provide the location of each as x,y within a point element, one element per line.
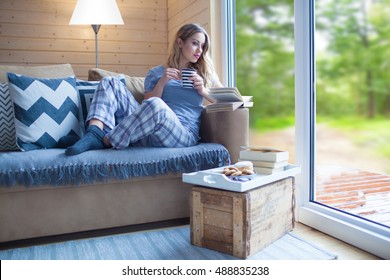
<point>45,110</point>
<point>86,90</point>
<point>7,122</point>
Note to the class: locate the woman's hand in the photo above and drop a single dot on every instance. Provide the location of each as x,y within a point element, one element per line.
<point>171,73</point>
<point>198,83</point>
<point>199,86</point>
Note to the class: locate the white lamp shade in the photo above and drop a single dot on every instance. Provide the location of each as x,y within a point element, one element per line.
<point>96,12</point>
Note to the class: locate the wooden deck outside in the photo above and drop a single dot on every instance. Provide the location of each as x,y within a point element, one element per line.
<point>361,193</point>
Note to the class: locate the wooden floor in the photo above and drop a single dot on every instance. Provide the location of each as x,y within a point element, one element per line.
<point>344,251</point>
<point>362,193</point>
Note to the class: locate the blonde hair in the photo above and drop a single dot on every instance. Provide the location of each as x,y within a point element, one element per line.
<point>204,65</point>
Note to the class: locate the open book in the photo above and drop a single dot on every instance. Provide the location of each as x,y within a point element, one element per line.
<point>228,99</point>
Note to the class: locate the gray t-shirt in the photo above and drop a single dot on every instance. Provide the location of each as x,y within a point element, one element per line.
<point>186,103</point>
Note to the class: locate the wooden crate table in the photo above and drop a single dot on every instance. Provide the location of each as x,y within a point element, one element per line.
<point>242,223</point>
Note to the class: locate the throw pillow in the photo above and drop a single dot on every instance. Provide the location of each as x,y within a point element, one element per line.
<point>45,110</point>
<point>7,122</point>
<point>43,72</point>
<point>86,90</point>
<point>134,84</point>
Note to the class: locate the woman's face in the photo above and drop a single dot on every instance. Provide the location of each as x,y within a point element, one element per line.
<point>191,49</point>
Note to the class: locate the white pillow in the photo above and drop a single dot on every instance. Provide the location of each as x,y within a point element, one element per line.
<point>45,110</point>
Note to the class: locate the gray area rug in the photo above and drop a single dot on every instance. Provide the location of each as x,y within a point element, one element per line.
<point>167,244</point>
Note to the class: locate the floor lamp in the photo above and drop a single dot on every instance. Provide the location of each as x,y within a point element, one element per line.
<point>96,13</point>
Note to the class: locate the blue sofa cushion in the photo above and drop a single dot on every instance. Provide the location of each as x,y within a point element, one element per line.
<point>52,167</point>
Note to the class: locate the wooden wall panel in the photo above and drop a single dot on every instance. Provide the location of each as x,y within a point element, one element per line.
<point>37,32</point>
<point>187,11</point>
<point>204,12</point>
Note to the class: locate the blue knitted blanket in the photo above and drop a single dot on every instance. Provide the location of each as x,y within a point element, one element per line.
<point>52,167</point>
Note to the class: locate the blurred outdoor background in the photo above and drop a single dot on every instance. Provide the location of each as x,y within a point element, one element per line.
<point>352,43</point>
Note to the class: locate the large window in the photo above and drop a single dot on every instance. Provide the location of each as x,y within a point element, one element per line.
<point>337,84</point>
<point>352,43</point>
<point>318,71</point>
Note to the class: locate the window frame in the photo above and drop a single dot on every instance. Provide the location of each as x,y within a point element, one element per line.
<point>229,41</point>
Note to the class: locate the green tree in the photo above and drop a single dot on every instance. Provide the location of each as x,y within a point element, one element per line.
<point>352,49</point>
<point>354,67</point>
<point>265,56</point>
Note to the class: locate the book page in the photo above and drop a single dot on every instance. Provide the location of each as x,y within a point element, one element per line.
<point>226,94</point>
<point>223,106</point>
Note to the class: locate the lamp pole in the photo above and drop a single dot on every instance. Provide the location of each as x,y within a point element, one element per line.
<point>96,13</point>
<point>96,28</point>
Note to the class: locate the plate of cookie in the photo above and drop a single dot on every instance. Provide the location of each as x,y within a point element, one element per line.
<point>241,171</point>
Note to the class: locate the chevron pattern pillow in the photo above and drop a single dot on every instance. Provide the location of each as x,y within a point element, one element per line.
<point>45,110</point>
<point>7,123</point>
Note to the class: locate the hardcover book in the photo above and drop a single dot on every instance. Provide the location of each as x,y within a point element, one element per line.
<point>265,170</point>
<point>264,154</point>
<point>267,164</point>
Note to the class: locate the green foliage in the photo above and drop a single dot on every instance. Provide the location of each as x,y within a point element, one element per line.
<point>265,56</point>
<point>352,58</point>
<point>357,37</point>
<point>270,123</point>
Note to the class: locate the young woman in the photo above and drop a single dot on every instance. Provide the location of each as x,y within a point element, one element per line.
<point>170,114</point>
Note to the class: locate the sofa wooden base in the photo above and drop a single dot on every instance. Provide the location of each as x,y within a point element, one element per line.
<point>93,233</point>
<point>46,211</point>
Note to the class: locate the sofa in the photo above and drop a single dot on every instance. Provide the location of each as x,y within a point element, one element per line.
<point>44,193</point>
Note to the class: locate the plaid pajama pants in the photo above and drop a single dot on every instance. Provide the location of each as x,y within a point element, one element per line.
<point>126,122</point>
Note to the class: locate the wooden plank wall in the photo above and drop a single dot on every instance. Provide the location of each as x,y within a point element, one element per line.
<point>37,32</point>
<point>204,12</point>
<point>187,11</point>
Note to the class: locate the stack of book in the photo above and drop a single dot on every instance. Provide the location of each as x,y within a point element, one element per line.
<point>265,160</point>
<point>228,99</point>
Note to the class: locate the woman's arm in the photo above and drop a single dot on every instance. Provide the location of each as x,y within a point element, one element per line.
<point>202,90</point>
<point>169,73</point>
